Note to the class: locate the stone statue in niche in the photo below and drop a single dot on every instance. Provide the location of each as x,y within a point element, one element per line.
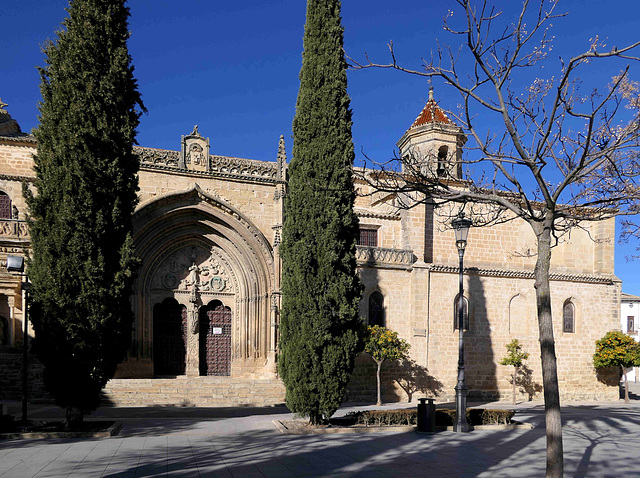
<point>194,154</point>
<point>192,281</point>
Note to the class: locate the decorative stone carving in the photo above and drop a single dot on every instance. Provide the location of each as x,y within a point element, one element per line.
<point>200,161</point>
<point>157,157</point>
<point>277,237</point>
<point>193,269</point>
<point>243,167</point>
<point>281,160</point>
<point>381,255</point>
<point>194,154</point>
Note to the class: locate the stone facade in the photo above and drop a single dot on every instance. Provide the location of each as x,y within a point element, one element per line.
<point>207,296</point>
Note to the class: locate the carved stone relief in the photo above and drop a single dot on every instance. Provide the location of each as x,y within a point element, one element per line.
<point>195,152</point>
<point>193,269</point>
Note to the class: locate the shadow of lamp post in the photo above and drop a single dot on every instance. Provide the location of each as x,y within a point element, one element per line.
<point>461,227</point>
<point>15,264</point>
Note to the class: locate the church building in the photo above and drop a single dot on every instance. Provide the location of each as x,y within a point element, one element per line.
<point>207,295</point>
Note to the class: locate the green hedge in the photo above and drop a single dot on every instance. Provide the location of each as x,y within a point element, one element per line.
<point>444,417</point>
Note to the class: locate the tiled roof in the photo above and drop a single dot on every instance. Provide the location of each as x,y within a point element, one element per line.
<point>431,113</point>
<point>629,297</point>
<point>23,137</point>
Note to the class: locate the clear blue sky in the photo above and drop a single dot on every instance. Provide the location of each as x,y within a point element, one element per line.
<point>232,68</point>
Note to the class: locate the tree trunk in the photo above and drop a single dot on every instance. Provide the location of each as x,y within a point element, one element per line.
<point>379,402</point>
<point>553,419</point>
<point>626,385</point>
<point>73,419</point>
<point>515,375</point>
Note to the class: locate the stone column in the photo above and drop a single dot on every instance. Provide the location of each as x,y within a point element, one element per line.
<point>11,301</point>
<point>193,336</point>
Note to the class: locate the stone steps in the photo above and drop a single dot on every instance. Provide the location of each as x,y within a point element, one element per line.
<point>194,391</point>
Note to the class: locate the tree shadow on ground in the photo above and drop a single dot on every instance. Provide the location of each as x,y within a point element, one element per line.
<point>414,378</point>
<point>593,447</point>
<point>634,391</point>
<point>526,384</point>
<point>169,411</point>
<point>494,453</point>
<point>158,420</point>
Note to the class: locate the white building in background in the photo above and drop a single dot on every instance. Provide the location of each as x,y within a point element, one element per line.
<point>629,319</point>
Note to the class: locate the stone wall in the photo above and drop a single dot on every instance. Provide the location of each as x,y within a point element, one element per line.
<point>419,306</point>
<point>418,293</point>
<point>11,375</point>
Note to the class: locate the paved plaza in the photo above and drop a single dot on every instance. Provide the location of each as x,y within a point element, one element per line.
<point>600,440</point>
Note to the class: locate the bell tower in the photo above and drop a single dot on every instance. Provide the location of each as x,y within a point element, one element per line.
<point>434,142</point>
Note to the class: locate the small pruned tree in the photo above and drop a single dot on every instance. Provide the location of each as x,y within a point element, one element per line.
<point>515,357</point>
<point>383,344</point>
<point>557,152</point>
<point>617,349</point>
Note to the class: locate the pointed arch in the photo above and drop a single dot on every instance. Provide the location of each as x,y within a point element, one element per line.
<point>376,315</point>
<point>465,312</point>
<point>568,316</point>
<point>192,237</point>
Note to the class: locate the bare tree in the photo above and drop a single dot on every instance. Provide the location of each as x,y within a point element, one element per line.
<point>548,153</point>
<point>630,231</point>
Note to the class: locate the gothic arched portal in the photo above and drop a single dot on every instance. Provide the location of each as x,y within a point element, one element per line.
<point>204,254</point>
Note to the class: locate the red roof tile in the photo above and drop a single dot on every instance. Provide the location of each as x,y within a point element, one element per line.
<point>431,113</point>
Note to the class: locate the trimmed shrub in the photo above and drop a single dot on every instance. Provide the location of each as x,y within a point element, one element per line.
<point>444,417</point>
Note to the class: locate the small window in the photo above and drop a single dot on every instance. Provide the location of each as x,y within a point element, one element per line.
<point>442,160</point>
<point>568,317</point>
<point>376,309</point>
<point>368,237</point>
<point>631,326</point>
<point>5,206</point>
<point>465,313</point>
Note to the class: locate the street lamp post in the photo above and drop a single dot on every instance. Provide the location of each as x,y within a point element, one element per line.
<point>16,264</point>
<point>461,227</point>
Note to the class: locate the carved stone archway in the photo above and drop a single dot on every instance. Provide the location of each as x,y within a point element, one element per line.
<point>196,249</point>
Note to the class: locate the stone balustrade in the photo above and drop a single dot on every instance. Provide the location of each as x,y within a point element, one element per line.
<point>384,256</point>
<point>14,229</point>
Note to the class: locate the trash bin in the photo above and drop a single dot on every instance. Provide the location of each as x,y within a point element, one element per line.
<point>426,415</point>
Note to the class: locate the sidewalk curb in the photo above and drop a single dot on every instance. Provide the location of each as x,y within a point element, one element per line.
<point>282,428</point>
<point>108,433</point>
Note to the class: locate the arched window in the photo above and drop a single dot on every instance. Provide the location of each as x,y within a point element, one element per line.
<point>5,206</point>
<point>518,324</point>
<point>376,309</point>
<point>568,317</point>
<point>442,160</point>
<point>465,312</point>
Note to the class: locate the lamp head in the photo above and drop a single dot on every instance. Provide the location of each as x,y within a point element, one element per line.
<point>461,227</point>
<point>15,264</point>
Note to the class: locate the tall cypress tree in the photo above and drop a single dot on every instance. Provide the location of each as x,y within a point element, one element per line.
<point>321,291</point>
<point>80,216</point>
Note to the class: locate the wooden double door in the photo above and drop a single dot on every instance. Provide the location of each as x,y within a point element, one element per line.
<point>170,332</point>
